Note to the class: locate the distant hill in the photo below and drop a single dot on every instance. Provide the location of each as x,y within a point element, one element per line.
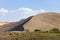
<point>2,23</point>
<point>44,21</point>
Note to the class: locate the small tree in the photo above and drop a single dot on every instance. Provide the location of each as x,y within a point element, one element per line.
<point>55,30</point>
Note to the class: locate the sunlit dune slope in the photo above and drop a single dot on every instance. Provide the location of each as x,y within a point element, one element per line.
<point>44,21</point>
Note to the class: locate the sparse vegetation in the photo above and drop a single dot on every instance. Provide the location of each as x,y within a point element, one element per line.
<point>29,36</point>
<point>55,30</point>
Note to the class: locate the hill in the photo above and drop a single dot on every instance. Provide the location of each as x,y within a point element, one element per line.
<point>44,21</point>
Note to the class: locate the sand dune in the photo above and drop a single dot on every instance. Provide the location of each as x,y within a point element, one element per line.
<point>44,21</point>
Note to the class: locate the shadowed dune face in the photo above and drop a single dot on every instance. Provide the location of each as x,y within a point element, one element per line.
<point>43,21</point>
<point>20,27</point>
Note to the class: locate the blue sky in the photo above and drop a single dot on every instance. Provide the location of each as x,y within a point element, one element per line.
<point>15,10</point>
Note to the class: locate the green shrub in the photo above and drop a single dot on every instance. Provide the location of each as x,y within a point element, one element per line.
<point>55,30</point>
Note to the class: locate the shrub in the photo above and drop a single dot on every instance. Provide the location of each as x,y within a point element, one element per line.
<point>37,30</point>
<point>55,30</point>
<point>10,34</point>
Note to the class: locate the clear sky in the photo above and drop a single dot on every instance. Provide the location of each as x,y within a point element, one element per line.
<point>15,10</point>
